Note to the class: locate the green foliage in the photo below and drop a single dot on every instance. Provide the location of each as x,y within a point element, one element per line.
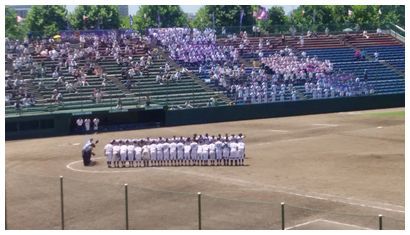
<point>336,17</point>
<point>225,15</point>
<point>202,19</point>
<point>46,20</point>
<point>98,17</point>
<point>170,16</point>
<point>277,21</point>
<point>13,29</point>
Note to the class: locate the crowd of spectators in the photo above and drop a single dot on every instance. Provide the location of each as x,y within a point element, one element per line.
<point>193,47</point>
<point>71,65</point>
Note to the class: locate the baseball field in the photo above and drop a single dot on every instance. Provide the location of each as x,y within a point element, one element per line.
<point>332,171</point>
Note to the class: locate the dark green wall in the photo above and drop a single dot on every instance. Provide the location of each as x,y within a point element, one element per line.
<point>243,112</point>
<point>37,126</point>
<point>64,124</point>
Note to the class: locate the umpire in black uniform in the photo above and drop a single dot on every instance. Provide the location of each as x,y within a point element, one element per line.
<point>87,151</point>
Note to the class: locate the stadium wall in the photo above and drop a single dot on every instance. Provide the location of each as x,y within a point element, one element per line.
<point>281,109</point>
<point>48,125</point>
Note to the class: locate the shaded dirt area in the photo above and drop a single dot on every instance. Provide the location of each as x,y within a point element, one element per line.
<point>346,168</point>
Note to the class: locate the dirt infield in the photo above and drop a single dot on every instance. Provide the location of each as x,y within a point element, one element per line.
<point>337,171</point>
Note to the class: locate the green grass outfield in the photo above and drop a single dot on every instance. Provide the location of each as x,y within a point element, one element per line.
<point>397,114</point>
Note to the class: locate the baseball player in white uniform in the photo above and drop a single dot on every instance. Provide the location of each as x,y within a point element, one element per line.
<point>153,153</point>
<point>205,153</point>
<point>87,123</point>
<point>218,151</point>
<point>165,149</point>
<point>130,153</point>
<point>160,153</point>
<point>108,152</point>
<point>123,153</point>
<point>173,152</point>
<point>199,153</point>
<point>225,153</point>
<point>194,152</point>
<point>241,151</point>
<point>116,154</point>
<point>180,152</point>
<point>95,122</point>
<point>187,153</point>
<point>138,153</point>
<point>79,124</point>
<point>212,150</point>
<point>233,155</point>
<point>145,154</point>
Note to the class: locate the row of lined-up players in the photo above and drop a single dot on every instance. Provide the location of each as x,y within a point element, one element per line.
<point>177,151</point>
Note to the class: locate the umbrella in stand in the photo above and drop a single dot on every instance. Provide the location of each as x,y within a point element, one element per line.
<point>347,30</point>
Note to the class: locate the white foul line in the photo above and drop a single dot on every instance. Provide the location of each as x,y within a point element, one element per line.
<point>328,221</point>
<point>302,224</point>
<point>282,131</point>
<point>318,196</point>
<point>324,124</point>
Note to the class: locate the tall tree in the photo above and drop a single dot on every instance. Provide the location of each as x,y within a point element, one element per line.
<point>337,17</point>
<point>13,28</point>
<point>224,15</point>
<point>95,17</point>
<point>46,20</point>
<point>277,21</point>
<point>166,15</point>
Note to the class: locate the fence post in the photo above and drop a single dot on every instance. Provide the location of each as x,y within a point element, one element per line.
<point>126,206</point>
<point>380,222</point>
<point>199,211</point>
<point>282,205</point>
<point>62,202</point>
<point>5,208</point>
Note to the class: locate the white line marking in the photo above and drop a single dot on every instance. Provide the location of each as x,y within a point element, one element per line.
<point>349,225</point>
<point>379,127</point>
<point>75,143</point>
<point>290,191</point>
<point>283,131</point>
<point>324,124</point>
<point>327,221</point>
<point>70,166</point>
<point>303,224</point>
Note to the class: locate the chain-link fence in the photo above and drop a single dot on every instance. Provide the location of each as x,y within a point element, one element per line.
<point>85,204</point>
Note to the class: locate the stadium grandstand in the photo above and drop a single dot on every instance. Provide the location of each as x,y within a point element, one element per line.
<point>166,69</point>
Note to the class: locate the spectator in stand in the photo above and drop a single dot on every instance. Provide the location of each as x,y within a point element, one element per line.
<point>327,31</point>
<point>357,54</point>
<point>119,104</point>
<point>379,32</point>
<point>365,34</point>
<point>363,54</point>
<point>376,56</point>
